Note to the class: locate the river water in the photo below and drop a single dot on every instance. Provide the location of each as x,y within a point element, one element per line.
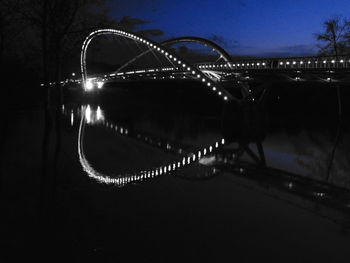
<point>142,172</point>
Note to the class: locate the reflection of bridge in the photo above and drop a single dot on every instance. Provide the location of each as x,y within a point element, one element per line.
<point>326,69</point>
<point>272,181</point>
<point>185,159</point>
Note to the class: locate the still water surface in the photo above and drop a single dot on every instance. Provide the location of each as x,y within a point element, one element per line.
<point>141,174</point>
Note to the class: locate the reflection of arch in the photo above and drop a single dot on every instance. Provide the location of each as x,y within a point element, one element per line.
<point>123,179</point>
<point>215,87</point>
<point>171,41</point>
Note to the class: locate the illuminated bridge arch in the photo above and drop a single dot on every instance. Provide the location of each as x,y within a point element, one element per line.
<point>215,87</point>
<point>222,52</point>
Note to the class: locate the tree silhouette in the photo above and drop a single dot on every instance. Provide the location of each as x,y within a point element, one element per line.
<point>335,37</point>
<point>57,29</point>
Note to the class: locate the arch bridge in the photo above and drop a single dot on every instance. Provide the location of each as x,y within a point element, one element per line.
<point>213,74</point>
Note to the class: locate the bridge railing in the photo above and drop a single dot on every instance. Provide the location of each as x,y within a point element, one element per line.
<point>327,62</point>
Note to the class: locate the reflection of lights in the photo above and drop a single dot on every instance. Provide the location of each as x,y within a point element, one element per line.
<point>120,180</point>
<point>98,113</point>
<point>93,116</point>
<point>71,118</point>
<point>88,114</point>
<point>319,194</point>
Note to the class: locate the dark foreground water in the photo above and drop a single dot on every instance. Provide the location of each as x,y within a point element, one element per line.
<point>154,174</point>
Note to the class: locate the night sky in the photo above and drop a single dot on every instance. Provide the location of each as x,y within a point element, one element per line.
<point>243,27</point>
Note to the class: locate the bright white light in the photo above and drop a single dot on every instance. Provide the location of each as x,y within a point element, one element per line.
<point>99,84</point>
<point>89,85</point>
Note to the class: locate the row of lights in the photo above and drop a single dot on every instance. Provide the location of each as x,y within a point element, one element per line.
<point>310,62</point>
<point>193,71</point>
<point>152,173</point>
<point>124,131</point>
<point>206,66</point>
<point>162,170</point>
<point>121,181</point>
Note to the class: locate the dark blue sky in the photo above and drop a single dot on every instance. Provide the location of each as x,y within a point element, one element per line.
<point>243,27</point>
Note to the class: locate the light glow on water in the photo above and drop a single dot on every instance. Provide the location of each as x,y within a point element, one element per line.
<point>89,116</point>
